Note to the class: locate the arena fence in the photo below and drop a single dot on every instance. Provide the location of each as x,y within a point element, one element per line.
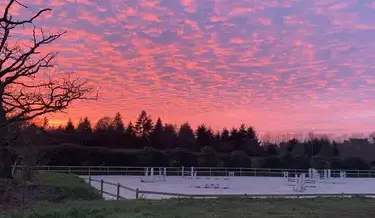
<point>138,193</point>
<point>201,171</point>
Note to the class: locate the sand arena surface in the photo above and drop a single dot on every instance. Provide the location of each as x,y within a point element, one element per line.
<point>237,185</point>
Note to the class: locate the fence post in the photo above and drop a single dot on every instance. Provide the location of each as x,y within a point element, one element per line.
<point>357,173</point>
<point>137,193</point>
<point>101,187</point>
<point>69,169</point>
<point>89,180</point>
<point>240,171</point>
<point>107,170</point>
<point>118,191</point>
<point>210,172</point>
<point>89,170</point>
<point>255,171</point>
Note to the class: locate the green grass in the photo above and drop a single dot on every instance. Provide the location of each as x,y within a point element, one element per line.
<point>45,188</point>
<point>218,208</point>
<point>68,187</point>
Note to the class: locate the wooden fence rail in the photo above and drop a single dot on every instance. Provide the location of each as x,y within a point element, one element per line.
<point>118,188</point>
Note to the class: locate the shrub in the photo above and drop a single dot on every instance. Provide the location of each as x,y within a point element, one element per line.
<point>239,158</point>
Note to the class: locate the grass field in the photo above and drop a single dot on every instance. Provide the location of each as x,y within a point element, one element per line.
<point>68,187</point>
<point>218,208</point>
<point>45,188</point>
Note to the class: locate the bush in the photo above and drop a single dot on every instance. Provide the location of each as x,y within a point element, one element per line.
<point>319,162</point>
<point>181,157</point>
<point>152,157</point>
<point>272,162</point>
<point>208,157</point>
<point>354,163</point>
<point>239,158</point>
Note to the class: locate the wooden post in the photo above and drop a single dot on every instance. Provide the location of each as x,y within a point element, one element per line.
<point>137,194</point>
<point>89,170</point>
<point>118,191</point>
<point>89,180</point>
<point>101,187</point>
<point>69,170</point>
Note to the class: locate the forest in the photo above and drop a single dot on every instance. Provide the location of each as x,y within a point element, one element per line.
<point>146,142</point>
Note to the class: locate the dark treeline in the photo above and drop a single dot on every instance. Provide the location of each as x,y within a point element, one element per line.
<point>153,143</point>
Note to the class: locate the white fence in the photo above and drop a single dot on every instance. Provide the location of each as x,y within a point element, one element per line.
<point>201,171</point>
<point>138,193</point>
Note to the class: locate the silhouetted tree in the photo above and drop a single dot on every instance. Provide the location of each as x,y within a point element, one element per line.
<point>208,157</point>
<point>251,142</point>
<point>335,149</point>
<point>204,136</point>
<point>271,150</point>
<point>118,125</point>
<point>84,126</point>
<point>354,163</point>
<point>104,124</point>
<point>239,158</point>
<point>372,137</point>
<point>186,138</point>
<point>236,139</point>
<point>291,144</point>
<point>157,134</point>
<point>144,125</point>
<point>69,126</point>
<point>130,130</point>
<point>23,95</point>
<point>225,135</point>
<point>169,136</point>
<point>272,162</point>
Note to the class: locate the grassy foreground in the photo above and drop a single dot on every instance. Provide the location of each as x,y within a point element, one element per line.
<point>68,187</point>
<point>44,188</point>
<point>218,208</point>
<point>68,196</point>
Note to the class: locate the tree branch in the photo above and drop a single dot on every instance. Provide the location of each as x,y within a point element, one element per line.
<point>22,96</point>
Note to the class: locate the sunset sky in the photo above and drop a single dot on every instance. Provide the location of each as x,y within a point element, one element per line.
<point>278,65</point>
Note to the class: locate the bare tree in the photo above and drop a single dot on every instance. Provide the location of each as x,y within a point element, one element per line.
<point>23,94</point>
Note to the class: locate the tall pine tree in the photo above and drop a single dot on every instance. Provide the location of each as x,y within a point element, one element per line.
<point>144,125</point>
<point>118,125</point>
<point>186,138</point>
<point>156,136</point>
<point>84,126</point>
<point>69,126</point>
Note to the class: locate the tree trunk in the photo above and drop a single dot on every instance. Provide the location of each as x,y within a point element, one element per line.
<point>5,154</point>
<point>5,163</point>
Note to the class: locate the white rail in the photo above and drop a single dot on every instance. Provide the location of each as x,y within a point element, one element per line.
<point>201,171</point>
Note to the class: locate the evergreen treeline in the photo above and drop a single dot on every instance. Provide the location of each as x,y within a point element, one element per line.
<point>154,143</point>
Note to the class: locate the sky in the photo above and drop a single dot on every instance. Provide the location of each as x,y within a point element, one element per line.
<point>278,65</point>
